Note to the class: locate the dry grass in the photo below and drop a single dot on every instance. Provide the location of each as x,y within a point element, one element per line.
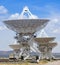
<point>42,62</point>
<point>22,63</point>
<point>25,63</point>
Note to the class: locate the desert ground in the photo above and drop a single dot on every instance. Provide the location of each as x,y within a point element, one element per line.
<point>56,62</point>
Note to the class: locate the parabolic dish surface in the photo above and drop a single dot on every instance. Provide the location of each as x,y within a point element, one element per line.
<point>44,40</point>
<point>26,25</point>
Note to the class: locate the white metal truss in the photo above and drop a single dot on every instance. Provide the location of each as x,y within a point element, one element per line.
<point>26,14</point>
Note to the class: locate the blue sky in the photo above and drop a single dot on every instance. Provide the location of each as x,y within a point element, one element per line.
<point>41,8</point>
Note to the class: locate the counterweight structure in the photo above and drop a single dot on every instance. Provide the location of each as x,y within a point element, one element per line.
<point>25,29</point>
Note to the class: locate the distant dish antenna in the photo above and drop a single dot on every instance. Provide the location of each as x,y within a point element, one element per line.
<point>26,14</point>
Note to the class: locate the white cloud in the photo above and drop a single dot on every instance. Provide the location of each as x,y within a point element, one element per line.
<point>57,31</point>
<point>55,20</point>
<point>3,10</point>
<point>19,16</point>
<point>3,17</point>
<point>54,24</point>
<point>3,28</point>
<point>14,16</point>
